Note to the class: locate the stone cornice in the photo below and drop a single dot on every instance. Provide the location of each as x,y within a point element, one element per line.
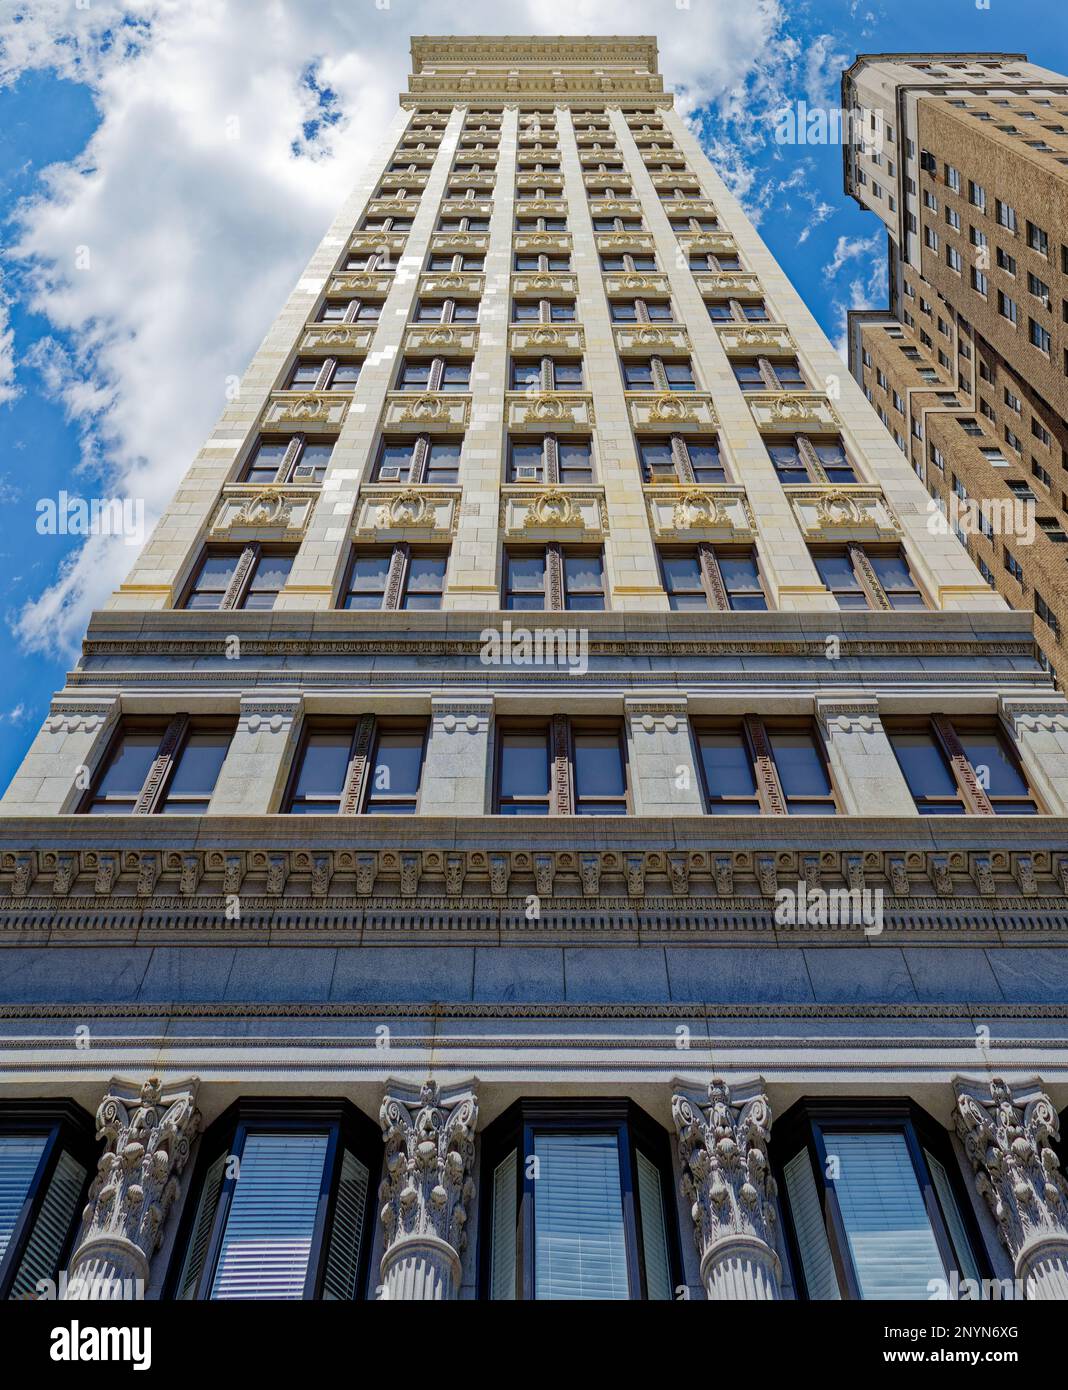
<point>311,865</point>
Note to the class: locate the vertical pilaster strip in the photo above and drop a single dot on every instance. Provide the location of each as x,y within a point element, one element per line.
<point>713,579</point>
<point>356,773</point>
<point>560,765</point>
<point>975,797</point>
<point>554,577</point>
<point>767,775</point>
<point>869,581</point>
<point>169,745</point>
<point>239,579</point>
<point>398,564</point>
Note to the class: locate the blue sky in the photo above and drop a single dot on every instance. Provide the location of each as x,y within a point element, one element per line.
<point>167,166</point>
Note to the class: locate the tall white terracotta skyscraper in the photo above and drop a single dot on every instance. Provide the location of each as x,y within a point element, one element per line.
<point>549,768</point>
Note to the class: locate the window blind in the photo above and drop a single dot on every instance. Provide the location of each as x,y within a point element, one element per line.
<point>951,1214</point>
<point>889,1234</point>
<point>346,1231</point>
<point>502,1271</point>
<point>205,1219</point>
<point>579,1247</point>
<point>41,1257</point>
<point>271,1222</point>
<point>816,1263</point>
<point>654,1232</point>
<point>19,1156</point>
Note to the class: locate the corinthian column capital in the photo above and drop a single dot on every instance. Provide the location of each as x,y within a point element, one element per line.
<point>430,1149</point>
<point>147,1132</point>
<point>1009,1141</point>
<point>723,1140</point>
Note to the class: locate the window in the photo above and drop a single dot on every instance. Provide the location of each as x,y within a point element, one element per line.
<point>446,311</point>
<point>954,259</point>
<point>589,758</point>
<point>450,264</point>
<point>1047,615</point>
<point>873,1202</point>
<point>160,767</point>
<point>404,577</point>
<point>326,375</point>
<point>550,460</point>
<point>420,460</point>
<point>555,577</point>
<point>296,1223</point>
<point>47,1154</point>
<point>1006,262</point>
<point>295,459</point>
<point>1007,308</point>
<point>1037,239</point>
<point>952,178</point>
<point>1039,336</point>
<point>546,374</point>
<point>356,766</point>
<point>439,374</point>
<point>543,264</point>
<point>806,459</point>
<point>961,766</point>
<point>682,460</point>
<point>641,311</point>
<point>228,577</point>
<point>628,263</point>
<point>596,1223</point>
<point>861,577</point>
<point>350,311</point>
<point>1038,288</point>
<point>712,577</point>
<point>754,767</point>
<point>543,311</point>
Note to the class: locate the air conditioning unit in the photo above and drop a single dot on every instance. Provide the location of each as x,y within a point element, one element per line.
<point>304,471</point>
<point>389,473</point>
<point>527,473</point>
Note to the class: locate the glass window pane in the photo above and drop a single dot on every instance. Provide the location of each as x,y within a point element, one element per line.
<point>346,1232</point>
<point>524,767</point>
<point>198,769</point>
<point>128,767</point>
<point>654,1231</point>
<point>51,1227</point>
<point>925,769</point>
<point>800,766</point>
<point>398,764</point>
<point>271,573</point>
<point>821,1283</point>
<point>579,1247</point>
<point>729,773</point>
<point>986,750</point>
<point>19,1156</point>
<point>271,1221</point>
<point>324,762</point>
<point>889,1234</point>
<point>503,1260</point>
<point>599,768</point>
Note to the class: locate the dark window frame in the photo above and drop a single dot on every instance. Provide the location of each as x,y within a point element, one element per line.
<point>174,732</point>
<point>401,554</point>
<point>804,1126</point>
<point>755,730</point>
<point>563,727</point>
<point>70,1129</point>
<point>346,1126</point>
<point>634,1130</point>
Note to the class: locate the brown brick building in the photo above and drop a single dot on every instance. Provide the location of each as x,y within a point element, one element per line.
<point>965,159</point>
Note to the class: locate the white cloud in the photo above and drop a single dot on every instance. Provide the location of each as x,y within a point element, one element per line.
<point>867,290</point>
<point>8,389</point>
<point>161,255</point>
<point>850,248</point>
